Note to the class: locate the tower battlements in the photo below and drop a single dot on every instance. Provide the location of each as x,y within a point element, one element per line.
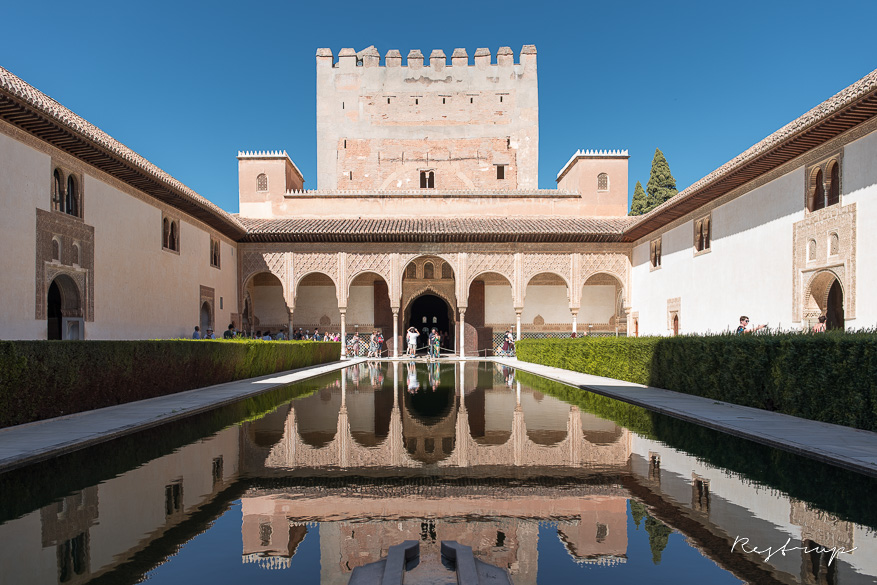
<point>349,60</point>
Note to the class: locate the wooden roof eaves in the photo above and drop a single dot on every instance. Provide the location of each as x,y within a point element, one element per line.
<point>44,127</point>
<point>807,138</point>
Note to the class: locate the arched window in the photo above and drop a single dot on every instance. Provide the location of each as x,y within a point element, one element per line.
<point>602,182</point>
<point>447,271</point>
<point>56,249</point>
<point>166,233</point>
<point>428,270</point>
<point>57,192</point>
<point>262,182</point>
<point>655,255</point>
<point>411,271</point>
<point>698,234</point>
<point>833,245</point>
<point>834,184</point>
<point>707,235</point>
<point>818,190</point>
<point>72,199</point>
<point>214,253</point>
<point>811,250</point>
<point>172,238</point>
<point>427,179</point>
<point>77,255</point>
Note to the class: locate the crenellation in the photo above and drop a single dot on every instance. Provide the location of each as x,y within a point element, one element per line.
<point>347,59</point>
<point>482,58</point>
<point>370,57</point>
<point>415,59</point>
<point>460,58</point>
<point>437,59</point>
<point>505,57</point>
<point>393,58</point>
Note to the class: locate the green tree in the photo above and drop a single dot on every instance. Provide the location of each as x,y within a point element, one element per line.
<point>637,510</point>
<point>661,184</point>
<point>659,534</point>
<point>640,203</point>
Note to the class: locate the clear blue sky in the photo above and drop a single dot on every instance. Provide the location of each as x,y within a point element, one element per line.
<point>189,84</point>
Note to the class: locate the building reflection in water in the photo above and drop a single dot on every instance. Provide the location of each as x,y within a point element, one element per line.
<point>467,453</point>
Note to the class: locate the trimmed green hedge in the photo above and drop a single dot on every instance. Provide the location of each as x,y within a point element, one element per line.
<point>828,377</point>
<point>45,379</point>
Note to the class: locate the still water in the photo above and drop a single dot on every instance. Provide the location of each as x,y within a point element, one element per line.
<point>556,485</point>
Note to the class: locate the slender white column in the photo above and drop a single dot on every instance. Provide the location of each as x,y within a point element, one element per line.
<point>344,334</point>
<point>395,384</point>
<point>462,334</point>
<point>518,325</point>
<point>344,389</point>
<point>575,316</point>
<point>289,329</point>
<point>395,333</point>
<point>517,393</point>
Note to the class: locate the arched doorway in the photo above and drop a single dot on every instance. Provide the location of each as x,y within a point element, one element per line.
<point>825,297</point>
<point>63,309</point>
<point>206,318</point>
<point>430,311</point>
<point>834,313</point>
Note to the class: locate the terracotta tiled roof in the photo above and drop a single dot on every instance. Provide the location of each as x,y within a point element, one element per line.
<point>499,229</point>
<point>26,107</point>
<point>843,111</point>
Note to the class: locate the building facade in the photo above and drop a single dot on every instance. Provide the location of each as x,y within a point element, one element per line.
<point>427,214</point>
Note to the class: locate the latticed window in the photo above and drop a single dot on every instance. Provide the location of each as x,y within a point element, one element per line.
<point>655,253</point>
<point>702,234</point>
<point>411,271</point>
<point>447,271</point>
<point>811,250</point>
<point>602,182</point>
<point>833,245</point>
<point>428,270</point>
<point>262,182</point>
<point>834,185</point>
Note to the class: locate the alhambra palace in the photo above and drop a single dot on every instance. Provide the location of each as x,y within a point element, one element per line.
<point>427,212</point>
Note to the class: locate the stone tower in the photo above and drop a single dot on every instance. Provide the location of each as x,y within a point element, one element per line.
<point>434,125</point>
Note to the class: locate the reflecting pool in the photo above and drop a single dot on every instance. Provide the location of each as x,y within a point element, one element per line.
<point>305,483</point>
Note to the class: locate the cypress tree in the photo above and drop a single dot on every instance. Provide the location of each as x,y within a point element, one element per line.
<point>640,202</point>
<point>661,184</point>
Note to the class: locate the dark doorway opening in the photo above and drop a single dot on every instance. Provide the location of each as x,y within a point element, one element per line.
<point>428,311</point>
<point>206,321</point>
<point>54,311</point>
<point>834,314</point>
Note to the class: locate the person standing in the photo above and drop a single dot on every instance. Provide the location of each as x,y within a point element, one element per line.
<point>229,333</point>
<point>197,333</point>
<point>820,327</point>
<point>373,344</point>
<point>411,338</point>
<point>744,326</point>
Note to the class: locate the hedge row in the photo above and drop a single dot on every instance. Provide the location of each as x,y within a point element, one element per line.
<point>829,377</point>
<point>44,379</point>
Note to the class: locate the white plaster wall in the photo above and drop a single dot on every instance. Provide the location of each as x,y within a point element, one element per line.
<point>140,290</point>
<point>747,272</point>
<point>312,302</point>
<point>269,307</point>
<point>25,184</point>
<point>499,306</point>
<point>551,302</point>
<point>131,512</point>
<point>597,304</point>
<point>360,305</point>
<point>859,184</point>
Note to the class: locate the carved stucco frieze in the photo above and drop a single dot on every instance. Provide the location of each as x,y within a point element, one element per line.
<point>254,262</point>
<point>823,249</point>
<point>503,264</point>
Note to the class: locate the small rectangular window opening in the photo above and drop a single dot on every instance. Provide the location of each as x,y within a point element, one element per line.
<point>416,101</point>
<point>220,303</point>
<point>351,175</point>
<point>500,171</point>
<point>388,100</point>
<point>345,144</point>
<point>500,99</point>
<point>342,105</point>
<point>443,100</point>
<point>471,100</point>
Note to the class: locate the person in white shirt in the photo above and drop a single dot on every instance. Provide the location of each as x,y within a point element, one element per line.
<point>411,338</point>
